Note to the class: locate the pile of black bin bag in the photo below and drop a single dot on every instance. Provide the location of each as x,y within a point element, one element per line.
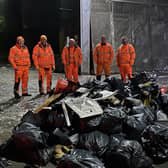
<point>126,135</point>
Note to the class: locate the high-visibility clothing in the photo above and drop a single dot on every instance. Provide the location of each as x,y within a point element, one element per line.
<point>125,55</point>
<point>19,57</point>
<point>43,58</point>
<point>72,58</point>
<point>125,70</point>
<point>106,67</point>
<point>125,59</point>
<point>103,57</point>
<point>20,60</point>
<point>42,73</point>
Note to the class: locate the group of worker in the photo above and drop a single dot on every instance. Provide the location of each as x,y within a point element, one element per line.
<point>103,57</point>
<point>43,58</point>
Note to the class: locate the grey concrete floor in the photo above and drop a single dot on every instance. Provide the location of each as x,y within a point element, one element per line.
<point>11,110</point>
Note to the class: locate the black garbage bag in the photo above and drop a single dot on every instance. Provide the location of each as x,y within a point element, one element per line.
<point>112,120</point>
<point>35,119</point>
<point>80,159</point>
<point>129,154</point>
<point>131,102</point>
<point>95,142</point>
<point>82,125</point>
<point>154,139</point>
<point>134,125</point>
<point>139,78</point>
<point>27,135</point>
<point>142,110</point>
<point>115,140</point>
<point>59,136</point>
<point>55,120</point>
<point>116,84</point>
<point>32,155</point>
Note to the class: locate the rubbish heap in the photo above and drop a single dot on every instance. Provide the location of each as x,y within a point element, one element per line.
<point>97,125</point>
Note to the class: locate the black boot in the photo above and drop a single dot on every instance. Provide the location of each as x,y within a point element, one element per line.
<point>40,87</point>
<point>26,94</point>
<point>107,76</point>
<point>98,77</point>
<point>16,88</point>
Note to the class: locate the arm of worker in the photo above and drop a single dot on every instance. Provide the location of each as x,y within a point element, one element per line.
<point>34,56</point>
<point>52,57</point>
<point>132,53</point>
<point>63,55</point>
<point>29,62</point>
<point>117,59</point>
<point>95,53</point>
<point>12,57</point>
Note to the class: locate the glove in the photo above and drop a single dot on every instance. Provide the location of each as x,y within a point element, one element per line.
<point>61,150</point>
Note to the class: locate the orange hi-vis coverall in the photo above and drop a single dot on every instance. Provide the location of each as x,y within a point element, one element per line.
<point>43,58</point>
<point>125,59</point>
<point>72,58</point>
<point>103,57</point>
<point>20,60</point>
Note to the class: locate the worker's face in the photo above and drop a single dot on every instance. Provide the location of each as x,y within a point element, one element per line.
<point>43,42</point>
<point>20,42</point>
<point>103,40</point>
<point>71,43</point>
<point>124,41</point>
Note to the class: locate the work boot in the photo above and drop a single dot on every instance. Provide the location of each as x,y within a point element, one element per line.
<point>26,94</point>
<point>107,76</point>
<point>17,96</point>
<point>98,77</point>
<point>41,93</point>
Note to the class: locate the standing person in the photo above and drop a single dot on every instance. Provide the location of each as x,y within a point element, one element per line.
<point>103,57</point>
<point>125,59</point>
<point>72,59</point>
<point>20,60</point>
<point>43,58</point>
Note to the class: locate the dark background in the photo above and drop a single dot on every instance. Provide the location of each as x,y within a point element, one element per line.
<point>31,18</point>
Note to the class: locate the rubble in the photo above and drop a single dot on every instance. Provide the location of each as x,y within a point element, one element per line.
<point>98,124</point>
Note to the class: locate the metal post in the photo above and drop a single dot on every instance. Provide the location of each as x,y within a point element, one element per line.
<point>85,6</point>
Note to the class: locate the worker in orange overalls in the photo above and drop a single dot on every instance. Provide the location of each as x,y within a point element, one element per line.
<point>72,59</point>
<point>103,57</point>
<point>125,59</point>
<point>20,60</point>
<point>43,58</point>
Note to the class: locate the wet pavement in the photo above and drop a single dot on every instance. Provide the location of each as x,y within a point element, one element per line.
<point>12,110</point>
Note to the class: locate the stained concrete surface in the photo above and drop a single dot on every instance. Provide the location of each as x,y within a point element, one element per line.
<point>11,110</point>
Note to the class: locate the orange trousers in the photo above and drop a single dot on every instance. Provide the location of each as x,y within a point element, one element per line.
<point>21,74</point>
<point>66,70</point>
<point>125,71</point>
<point>42,73</point>
<point>106,67</point>
<point>72,73</point>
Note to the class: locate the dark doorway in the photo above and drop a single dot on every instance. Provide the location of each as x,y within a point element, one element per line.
<point>55,18</point>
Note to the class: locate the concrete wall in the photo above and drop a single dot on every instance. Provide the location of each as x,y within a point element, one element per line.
<point>143,22</point>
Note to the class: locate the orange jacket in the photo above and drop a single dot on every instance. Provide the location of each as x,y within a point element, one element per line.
<point>125,55</point>
<point>43,57</point>
<point>103,54</point>
<point>19,57</point>
<point>72,55</point>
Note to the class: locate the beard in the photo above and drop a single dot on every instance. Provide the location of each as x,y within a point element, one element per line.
<point>44,44</point>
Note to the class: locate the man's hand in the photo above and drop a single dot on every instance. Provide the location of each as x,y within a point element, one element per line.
<point>37,67</point>
<point>53,68</point>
